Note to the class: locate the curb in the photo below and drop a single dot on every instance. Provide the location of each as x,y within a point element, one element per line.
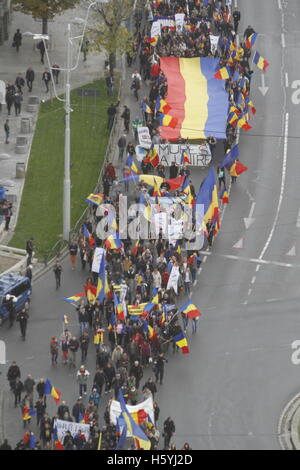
<point>2,431</point>
<point>288,425</point>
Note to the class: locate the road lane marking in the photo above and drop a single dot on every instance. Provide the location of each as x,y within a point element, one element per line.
<point>292,251</point>
<point>253,280</point>
<point>279,5</point>
<point>283,40</point>
<point>298,220</point>
<point>282,188</point>
<point>255,260</point>
<point>286,79</point>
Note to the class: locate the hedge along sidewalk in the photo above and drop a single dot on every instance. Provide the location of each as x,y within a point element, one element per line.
<point>40,214</point>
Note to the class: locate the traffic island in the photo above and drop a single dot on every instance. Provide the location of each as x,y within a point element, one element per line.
<point>289,425</point>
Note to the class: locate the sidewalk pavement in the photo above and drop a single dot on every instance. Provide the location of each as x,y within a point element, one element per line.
<point>12,63</point>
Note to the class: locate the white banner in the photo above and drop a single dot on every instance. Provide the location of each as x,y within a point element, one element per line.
<point>175,231</point>
<point>173,279</point>
<point>155,29</point>
<point>97,259</point>
<point>179,21</point>
<point>115,409</point>
<point>199,155</point>
<point>74,428</point>
<point>144,137</point>
<point>214,41</point>
<point>160,221</point>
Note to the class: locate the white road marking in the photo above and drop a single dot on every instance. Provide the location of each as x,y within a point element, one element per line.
<point>279,5</point>
<point>239,245</point>
<point>283,40</point>
<point>257,267</point>
<point>253,280</point>
<point>250,220</point>
<point>249,292</point>
<point>283,179</point>
<point>292,251</point>
<point>263,88</point>
<point>256,261</point>
<point>298,220</point>
<point>286,79</point>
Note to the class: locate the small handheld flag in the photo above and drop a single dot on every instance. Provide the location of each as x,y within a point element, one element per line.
<point>261,63</point>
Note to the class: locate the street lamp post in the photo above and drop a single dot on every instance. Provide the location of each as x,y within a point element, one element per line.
<point>67,172</point>
<point>68,110</point>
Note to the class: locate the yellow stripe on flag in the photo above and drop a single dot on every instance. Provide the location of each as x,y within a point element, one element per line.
<point>196,111</point>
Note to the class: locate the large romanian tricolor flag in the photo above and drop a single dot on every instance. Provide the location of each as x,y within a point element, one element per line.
<point>198,100</point>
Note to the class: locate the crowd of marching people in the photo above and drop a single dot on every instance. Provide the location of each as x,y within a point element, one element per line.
<point>129,345</point>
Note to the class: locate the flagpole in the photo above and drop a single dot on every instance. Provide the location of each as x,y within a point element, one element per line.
<point>99,442</point>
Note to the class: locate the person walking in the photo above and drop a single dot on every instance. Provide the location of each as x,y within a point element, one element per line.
<point>159,368</point>
<point>82,378</point>
<point>7,215</point>
<point>18,103</point>
<point>29,250</point>
<point>29,384</point>
<point>20,83</point>
<point>28,273</point>
<point>126,118</point>
<point>111,113</point>
<point>30,76</point>
<point>57,273</point>
<point>41,47</point>
<point>84,344</point>
<point>46,78</point>
<point>10,303</point>
<point>169,429</point>
<point>22,318</point>
<point>55,72</point>
<point>221,177</point>
<point>137,371</point>
<point>73,250</point>
<point>94,397</point>
<point>54,350</point>
<point>73,347</point>
<point>18,389</point>
<point>10,96</point>
<point>40,410</point>
<point>40,388</point>
<point>7,131</point>
<point>12,374</point>
<point>122,146</point>
<point>78,410</point>
<point>17,40</point>
<point>236,19</point>
<point>85,48</point>
<point>109,84</point>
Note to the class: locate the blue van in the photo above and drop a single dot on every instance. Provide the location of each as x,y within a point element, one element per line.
<point>19,287</point>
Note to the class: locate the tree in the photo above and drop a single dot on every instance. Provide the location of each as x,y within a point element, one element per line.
<point>43,9</point>
<point>110,32</point>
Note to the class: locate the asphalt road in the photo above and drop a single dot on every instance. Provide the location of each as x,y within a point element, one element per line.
<point>230,391</point>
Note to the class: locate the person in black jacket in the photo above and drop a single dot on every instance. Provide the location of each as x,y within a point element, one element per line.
<point>169,429</point>
<point>17,40</point>
<point>99,380</point>
<point>12,374</point>
<point>126,118</point>
<point>159,368</point>
<point>78,409</point>
<point>173,170</point>
<point>30,76</point>
<point>236,19</point>
<point>18,389</point>
<point>22,318</point>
